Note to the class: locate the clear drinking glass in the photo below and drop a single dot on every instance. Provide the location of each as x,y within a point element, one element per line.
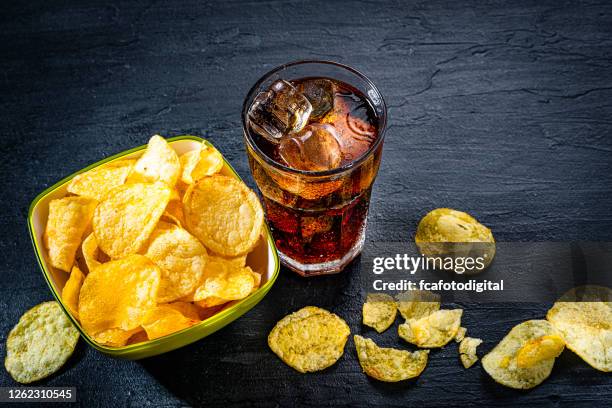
<point>318,218</point>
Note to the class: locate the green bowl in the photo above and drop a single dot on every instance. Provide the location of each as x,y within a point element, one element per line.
<point>263,259</point>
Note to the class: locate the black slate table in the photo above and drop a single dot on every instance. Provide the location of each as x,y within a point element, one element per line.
<point>501,109</point>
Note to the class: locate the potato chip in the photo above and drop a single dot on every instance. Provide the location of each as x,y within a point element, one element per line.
<point>310,339</point>
<point>181,258</point>
<point>224,214</point>
<point>536,350</point>
<point>202,162</point>
<point>435,330</point>
<point>164,320</point>
<point>389,364</point>
<point>174,213</point>
<point>40,343</point>
<point>222,282</point>
<point>415,304</point>
<point>236,260</point>
<point>71,290</point>
<point>139,337</point>
<point>119,294</point>
<point>159,162</point>
<point>467,351</point>
<point>90,250</point>
<point>98,182</point>
<point>205,312</point>
<point>115,337</point>
<point>379,311</point>
<point>186,309</point>
<point>123,222</point>
<point>583,316</point>
<point>460,334</point>
<point>69,218</point>
<point>501,362</point>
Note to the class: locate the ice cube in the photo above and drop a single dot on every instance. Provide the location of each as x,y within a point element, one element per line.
<point>315,148</point>
<point>320,93</point>
<point>279,111</point>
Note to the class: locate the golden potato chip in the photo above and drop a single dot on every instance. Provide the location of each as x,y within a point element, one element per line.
<point>159,162</point>
<point>389,364</point>
<point>71,290</point>
<point>310,339</point>
<point>139,337</point>
<point>181,258</point>
<point>205,312</point>
<point>236,260</point>
<point>69,218</point>
<point>223,282</point>
<point>123,222</point>
<point>164,320</point>
<point>98,182</point>
<point>467,351</point>
<point>460,334</point>
<point>536,350</point>
<point>119,294</point>
<point>202,162</point>
<point>501,362</point>
<point>435,330</point>
<point>256,280</point>
<point>379,311</point>
<point>90,250</point>
<point>187,309</point>
<point>583,316</point>
<point>415,304</point>
<point>40,343</point>
<point>224,214</point>
<point>115,337</point>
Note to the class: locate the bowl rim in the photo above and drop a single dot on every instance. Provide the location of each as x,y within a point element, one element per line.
<point>223,314</point>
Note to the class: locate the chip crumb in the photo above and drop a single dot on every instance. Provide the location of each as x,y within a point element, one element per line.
<point>460,334</point>
<point>467,351</point>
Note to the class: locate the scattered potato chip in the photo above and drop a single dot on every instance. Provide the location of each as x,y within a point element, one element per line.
<point>118,294</point>
<point>202,162</point>
<point>460,334</point>
<point>222,282</point>
<point>69,218</point>
<point>310,339</point>
<point>123,222</point>
<point>40,343</point>
<point>379,311</point>
<point>536,350</point>
<point>181,258</point>
<point>224,214</point>
<point>444,232</point>
<point>389,364</point>
<point>501,362</point>
<point>415,304</point>
<point>435,330</point>
<point>159,162</point>
<point>98,182</point>
<point>583,316</point>
<point>90,250</point>
<point>164,320</point>
<point>467,351</point>
<point>115,337</point>
<point>71,290</point>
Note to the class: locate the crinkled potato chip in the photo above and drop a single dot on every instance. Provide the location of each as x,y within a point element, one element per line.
<point>460,334</point>
<point>115,337</point>
<point>40,343</point>
<point>181,258</point>
<point>310,339</point>
<point>159,162</point>
<point>389,364</point>
<point>69,218</point>
<point>71,290</point>
<point>98,182</point>
<point>583,316</point>
<point>501,362</point>
<point>415,304</point>
<point>90,250</point>
<point>224,214</point>
<point>202,162</point>
<point>123,222</point>
<point>119,294</point>
<point>222,282</point>
<point>435,330</point>
<point>379,311</point>
<point>164,320</point>
<point>467,351</point>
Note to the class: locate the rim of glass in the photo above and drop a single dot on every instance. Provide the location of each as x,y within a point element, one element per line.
<point>381,126</point>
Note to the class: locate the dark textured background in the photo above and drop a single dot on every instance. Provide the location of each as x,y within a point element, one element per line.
<point>502,109</point>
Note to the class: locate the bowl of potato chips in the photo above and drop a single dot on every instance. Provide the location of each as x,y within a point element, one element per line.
<point>153,248</point>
